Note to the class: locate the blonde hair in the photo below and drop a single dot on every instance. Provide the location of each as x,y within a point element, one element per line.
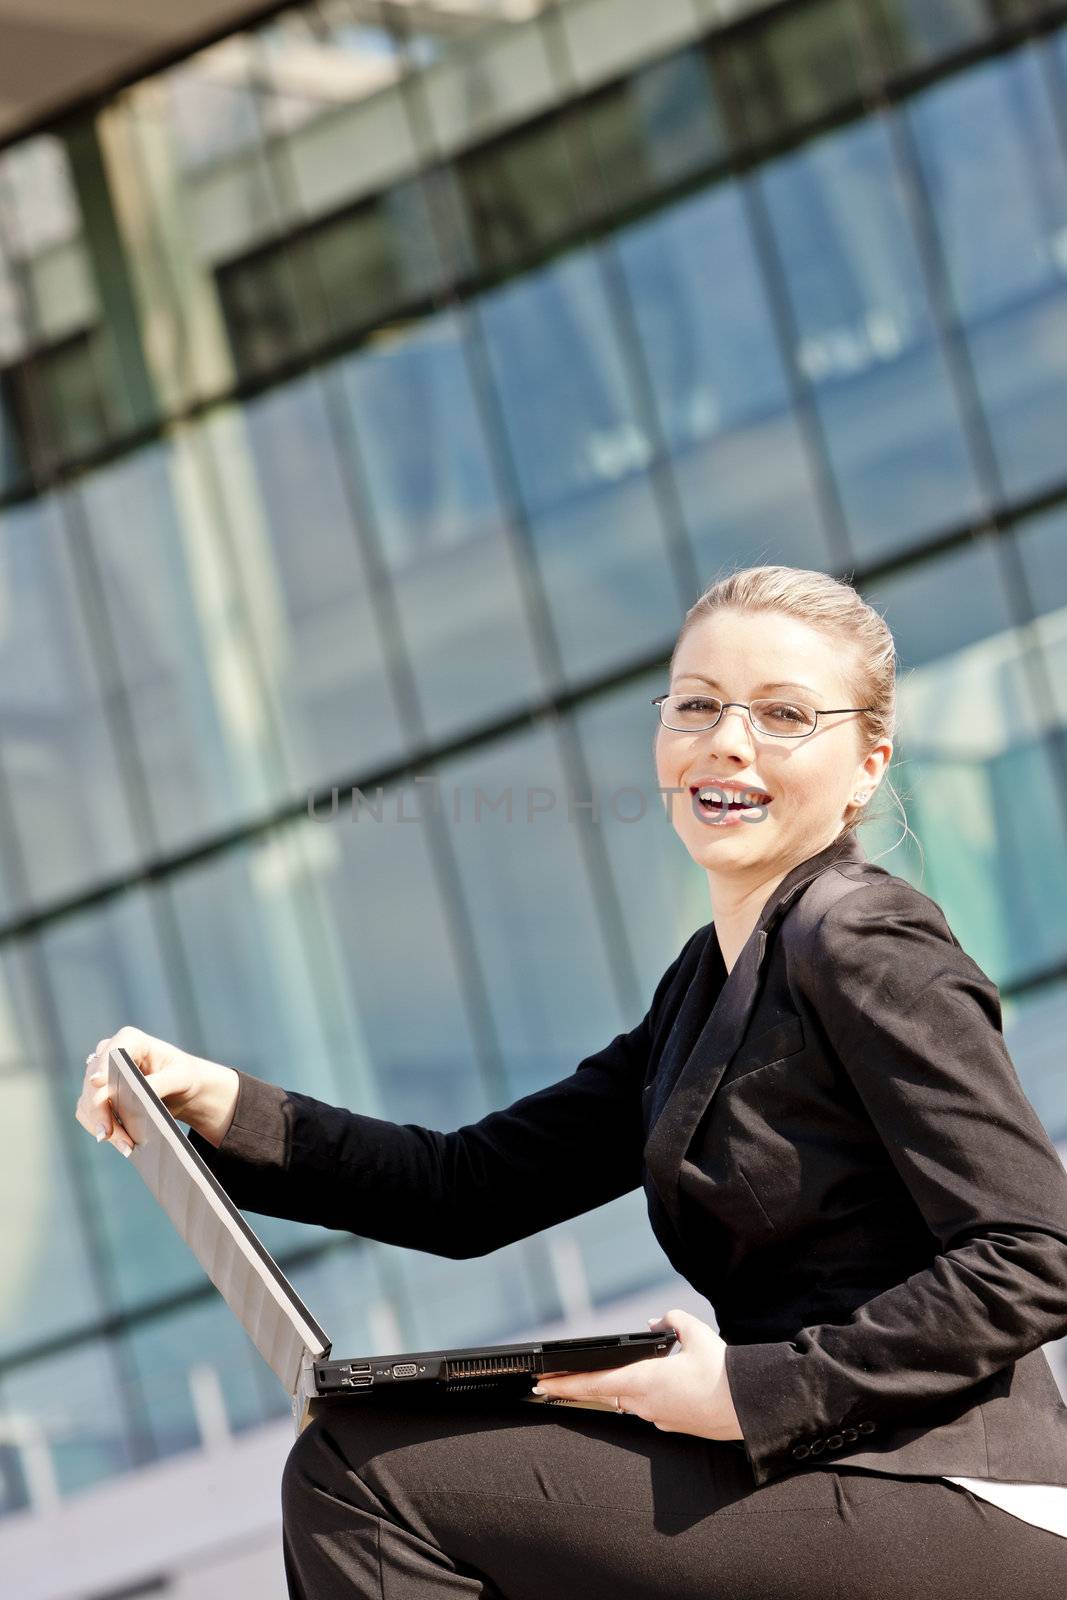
<point>834,606</point>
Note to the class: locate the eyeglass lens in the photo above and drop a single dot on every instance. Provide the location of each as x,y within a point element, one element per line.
<point>688,713</point>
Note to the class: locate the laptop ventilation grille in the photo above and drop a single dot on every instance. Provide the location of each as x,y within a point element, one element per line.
<point>485,1367</point>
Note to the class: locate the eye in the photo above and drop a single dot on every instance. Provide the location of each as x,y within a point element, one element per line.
<point>782,711</point>
<point>697,703</point>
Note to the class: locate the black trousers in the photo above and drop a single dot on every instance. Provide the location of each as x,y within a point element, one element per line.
<point>392,1501</point>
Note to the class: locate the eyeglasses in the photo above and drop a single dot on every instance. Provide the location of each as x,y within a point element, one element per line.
<point>782,719</point>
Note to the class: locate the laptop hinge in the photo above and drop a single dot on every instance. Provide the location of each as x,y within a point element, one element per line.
<point>305,1401</point>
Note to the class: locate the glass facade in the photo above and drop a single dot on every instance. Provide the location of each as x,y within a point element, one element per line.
<point>374,401</point>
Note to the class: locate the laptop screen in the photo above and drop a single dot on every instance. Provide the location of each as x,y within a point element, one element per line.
<point>243,1271</point>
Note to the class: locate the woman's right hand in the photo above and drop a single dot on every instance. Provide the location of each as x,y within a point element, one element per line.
<point>194,1090</point>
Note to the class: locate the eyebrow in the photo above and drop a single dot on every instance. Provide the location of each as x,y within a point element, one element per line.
<point>806,687</point>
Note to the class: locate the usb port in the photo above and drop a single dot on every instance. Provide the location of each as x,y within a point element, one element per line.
<point>358,1366</point>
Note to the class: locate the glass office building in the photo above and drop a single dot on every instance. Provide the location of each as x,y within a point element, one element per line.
<point>378,387</point>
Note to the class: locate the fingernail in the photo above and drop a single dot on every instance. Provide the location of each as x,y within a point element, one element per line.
<point>101,1133</point>
<point>537,1389</point>
<point>127,1149</point>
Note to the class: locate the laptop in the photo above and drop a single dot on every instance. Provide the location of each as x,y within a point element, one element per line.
<point>281,1326</point>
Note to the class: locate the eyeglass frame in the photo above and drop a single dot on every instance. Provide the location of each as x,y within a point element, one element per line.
<point>817,712</point>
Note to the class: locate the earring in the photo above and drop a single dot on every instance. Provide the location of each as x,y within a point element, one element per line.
<point>859,798</point>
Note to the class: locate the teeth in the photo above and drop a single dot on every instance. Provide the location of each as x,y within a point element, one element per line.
<point>715,796</point>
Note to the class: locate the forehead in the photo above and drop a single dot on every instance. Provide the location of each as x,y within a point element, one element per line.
<point>743,651</point>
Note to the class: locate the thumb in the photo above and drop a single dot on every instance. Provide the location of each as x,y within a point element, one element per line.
<point>689,1329</point>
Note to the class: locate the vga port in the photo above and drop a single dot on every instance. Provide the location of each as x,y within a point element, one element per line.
<point>405,1369</point>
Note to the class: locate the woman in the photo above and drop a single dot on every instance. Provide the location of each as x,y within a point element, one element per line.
<point>835,1150</point>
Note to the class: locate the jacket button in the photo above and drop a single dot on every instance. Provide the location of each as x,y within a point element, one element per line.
<point>850,1433</point>
<point>817,1446</point>
<point>801,1450</point>
<point>865,1427</point>
<point>835,1441</point>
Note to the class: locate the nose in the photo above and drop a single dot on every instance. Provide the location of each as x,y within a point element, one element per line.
<point>733,731</point>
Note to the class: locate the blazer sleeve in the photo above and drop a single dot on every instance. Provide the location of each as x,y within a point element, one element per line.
<point>560,1151</point>
<point>916,1025</point>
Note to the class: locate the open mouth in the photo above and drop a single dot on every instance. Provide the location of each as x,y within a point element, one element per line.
<point>716,801</point>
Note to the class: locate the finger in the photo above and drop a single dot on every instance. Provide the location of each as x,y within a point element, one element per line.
<point>689,1329</point>
<point>603,1384</point>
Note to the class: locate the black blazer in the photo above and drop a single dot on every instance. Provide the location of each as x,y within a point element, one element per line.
<point>835,1149</point>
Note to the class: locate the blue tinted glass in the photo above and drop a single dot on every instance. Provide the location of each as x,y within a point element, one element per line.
<point>201,1376</point>
<point>57,745</point>
<point>866,339</point>
<point>46,1266</point>
<point>563,386</point>
<point>993,161</point>
<point>105,969</point>
<point>532,908</point>
<point>80,1415</point>
<point>309,601</point>
<point>975,763</point>
<point>402,957</point>
<point>204,742</point>
<point>433,505</point>
<point>708,341</point>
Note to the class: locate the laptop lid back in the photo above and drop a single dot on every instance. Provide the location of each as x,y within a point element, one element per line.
<point>243,1271</point>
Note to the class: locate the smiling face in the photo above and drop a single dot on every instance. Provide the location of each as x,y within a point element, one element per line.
<point>742,656</point>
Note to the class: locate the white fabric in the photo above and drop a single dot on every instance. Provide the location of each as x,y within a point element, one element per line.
<point>1043,1504</point>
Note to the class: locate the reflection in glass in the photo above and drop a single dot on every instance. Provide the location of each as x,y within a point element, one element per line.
<point>796,66</point>
<point>394,940</point>
<point>425,465</point>
<point>478,1301</point>
<point>164,1353</point>
<point>532,907</point>
<point>1034,1027</point>
<point>653,128</point>
<point>984,788</point>
<point>45,1262</point>
<point>993,160</point>
<point>708,343</point>
<point>562,382</point>
<point>183,657</point>
<point>69,1407</point>
<point>867,341</point>
<point>105,969</point>
<point>56,741</point>
<point>605,567</point>
<point>520,193</point>
<point>911,32</point>
<point>310,604</point>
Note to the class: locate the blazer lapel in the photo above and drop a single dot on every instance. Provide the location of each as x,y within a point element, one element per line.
<point>697,1064</point>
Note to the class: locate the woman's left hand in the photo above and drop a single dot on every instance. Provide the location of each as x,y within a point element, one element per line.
<point>686,1391</point>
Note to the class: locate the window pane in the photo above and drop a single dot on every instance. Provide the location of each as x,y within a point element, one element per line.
<point>981,788</point>
<point>708,342</point>
<point>393,935</point>
<point>69,1408</point>
<point>418,438</point>
<point>45,1263</point>
<point>531,908</point>
<point>795,67</point>
<point>653,128</point>
<point>58,754</point>
<point>105,969</point>
<point>310,604</point>
<point>993,160</point>
<point>867,342</point>
<point>183,654</point>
